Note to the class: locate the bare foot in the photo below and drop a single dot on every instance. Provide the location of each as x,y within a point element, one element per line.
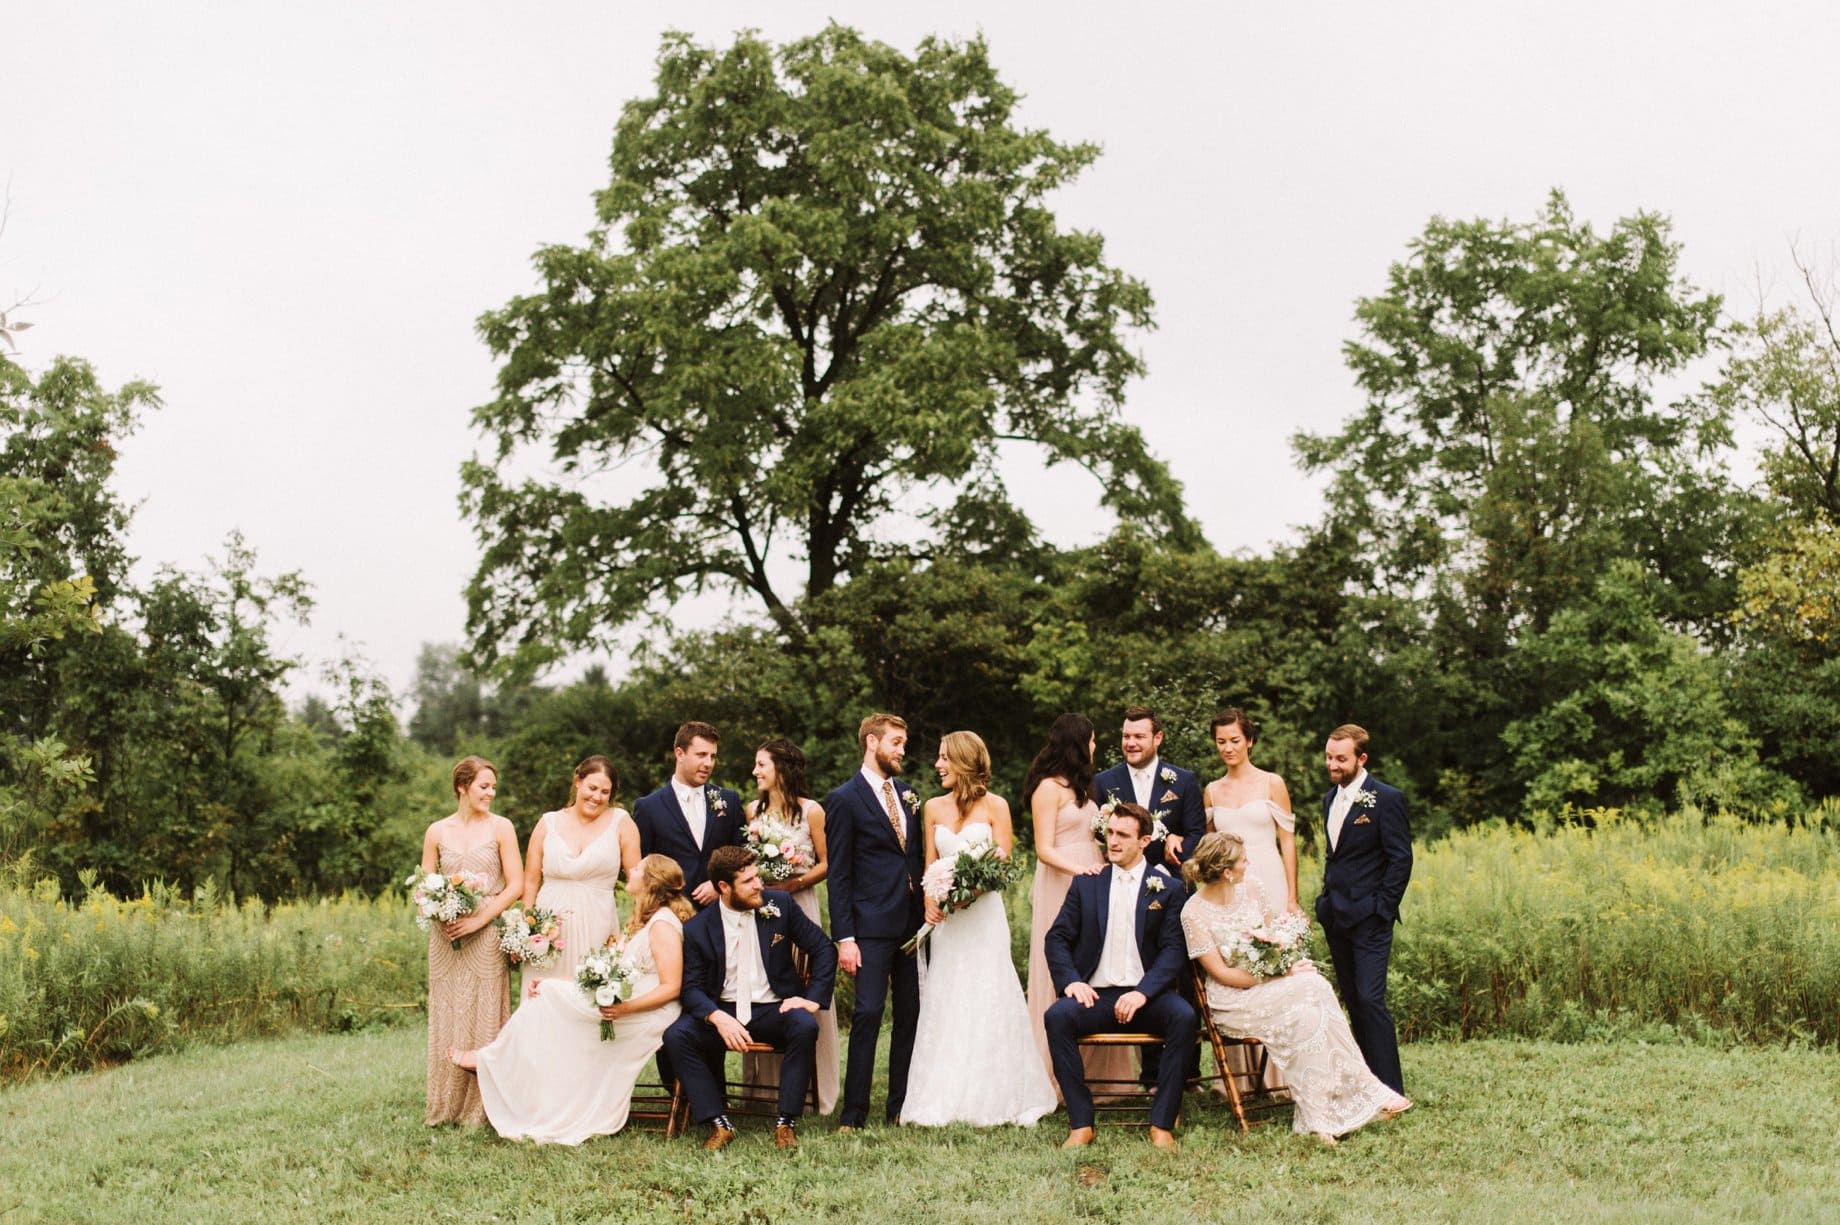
<point>1389,1113</point>
<point>463,1059</point>
<point>1325,1139</point>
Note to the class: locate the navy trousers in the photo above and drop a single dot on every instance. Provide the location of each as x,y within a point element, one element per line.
<point>1166,1013</point>
<point>1360,954</point>
<point>885,970</point>
<point>699,1055</point>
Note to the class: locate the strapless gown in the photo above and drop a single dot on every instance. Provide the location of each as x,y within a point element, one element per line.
<point>974,1059</point>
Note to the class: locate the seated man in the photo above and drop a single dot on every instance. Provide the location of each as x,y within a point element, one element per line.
<point>740,986</point>
<point>1117,953</point>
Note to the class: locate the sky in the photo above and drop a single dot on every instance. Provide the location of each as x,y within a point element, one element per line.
<point>289,218</point>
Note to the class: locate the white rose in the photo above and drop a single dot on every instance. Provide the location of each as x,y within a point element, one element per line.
<point>433,881</point>
<point>606,996</point>
<point>769,850</point>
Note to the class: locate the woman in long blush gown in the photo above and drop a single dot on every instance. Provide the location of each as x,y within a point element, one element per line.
<point>1295,1016</point>
<point>549,1076</point>
<point>1058,791</point>
<point>467,997</point>
<point>779,771</point>
<point>577,857</point>
<point>1256,805</point>
<point>974,1058</point>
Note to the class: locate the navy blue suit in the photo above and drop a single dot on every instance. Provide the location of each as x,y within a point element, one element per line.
<point>696,1046</point>
<point>664,831</point>
<point>1073,946</point>
<point>1178,802</point>
<point>876,901</point>
<point>1364,879</point>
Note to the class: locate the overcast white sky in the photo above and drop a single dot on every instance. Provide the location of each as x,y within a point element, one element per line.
<point>289,216</point>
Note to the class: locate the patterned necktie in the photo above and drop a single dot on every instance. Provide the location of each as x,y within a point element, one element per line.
<point>894,812</point>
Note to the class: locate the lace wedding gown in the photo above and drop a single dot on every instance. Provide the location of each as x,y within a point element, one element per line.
<point>974,1056</point>
<point>549,1076</point>
<point>1297,1018</point>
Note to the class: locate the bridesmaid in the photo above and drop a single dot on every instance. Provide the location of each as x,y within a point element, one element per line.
<point>784,794</point>
<point>578,855</point>
<point>1255,805</point>
<point>467,1001</point>
<point>1058,792</point>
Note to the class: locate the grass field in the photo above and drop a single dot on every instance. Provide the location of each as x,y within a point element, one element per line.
<point>327,1128</point>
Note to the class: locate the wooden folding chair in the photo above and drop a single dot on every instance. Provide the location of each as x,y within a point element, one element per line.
<point>1257,1100</point>
<point>1123,1095</point>
<point>754,1098</point>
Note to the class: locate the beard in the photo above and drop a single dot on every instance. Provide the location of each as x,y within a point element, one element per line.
<point>889,766</point>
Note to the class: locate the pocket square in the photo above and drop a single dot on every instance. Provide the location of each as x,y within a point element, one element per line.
<point>1169,797</point>
<point>1156,906</point>
<point>777,937</point>
<point>1363,819</point>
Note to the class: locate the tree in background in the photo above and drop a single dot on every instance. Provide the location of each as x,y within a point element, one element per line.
<point>825,280</point>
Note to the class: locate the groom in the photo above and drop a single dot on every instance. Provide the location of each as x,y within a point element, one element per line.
<point>687,818</point>
<point>1117,952</point>
<point>1166,791</point>
<point>741,986</point>
<point>1365,871</point>
<point>872,826</point>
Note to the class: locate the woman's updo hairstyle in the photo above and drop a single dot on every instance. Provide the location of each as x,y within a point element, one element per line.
<point>1216,855</point>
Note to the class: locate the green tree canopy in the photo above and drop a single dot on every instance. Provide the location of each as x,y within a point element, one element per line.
<point>824,277</point>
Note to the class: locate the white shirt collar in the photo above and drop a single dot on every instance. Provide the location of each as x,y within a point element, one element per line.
<point>1133,875</point>
<point>1149,768</point>
<point>875,780</point>
<point>732,918</point>
<point>1355,785</point>
<point>684,790</point>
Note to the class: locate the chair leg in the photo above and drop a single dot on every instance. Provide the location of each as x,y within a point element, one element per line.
<point>1227,1079</point>
<point>677,1122</point>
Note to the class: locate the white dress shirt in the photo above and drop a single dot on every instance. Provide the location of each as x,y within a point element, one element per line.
<point>1143,782</point>
<point>1120,964</point>
<point>1343,802</point>
<point>745,981</point>
<point>696,812</point>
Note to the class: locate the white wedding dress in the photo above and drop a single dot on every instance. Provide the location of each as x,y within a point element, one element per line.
<point>975,1059</point>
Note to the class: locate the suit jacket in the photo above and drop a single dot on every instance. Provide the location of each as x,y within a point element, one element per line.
<point>874,884</point>
<point>663,830</point>
<point>706,955</point>
<point>1185,814</point>
<point>1365,875</point>
<point>1076,939</point>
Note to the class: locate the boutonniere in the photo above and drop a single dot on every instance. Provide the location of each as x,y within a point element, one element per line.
<point>1365,799</point>
<point>913,801</point>
<point>1363,819</point>
<point>716,803</point>
<point>769,911</point>
<point>1167,775</point>
<point>1154,884</point>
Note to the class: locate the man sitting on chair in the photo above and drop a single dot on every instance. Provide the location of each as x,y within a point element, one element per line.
<point>740,986</point>
<point>1116,952</point>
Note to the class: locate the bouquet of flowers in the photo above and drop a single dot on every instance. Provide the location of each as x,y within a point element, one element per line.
<point>442,898</point>
<point>980,867</point>
<point>1268,950</point>
<point>1102,820</point>
<point>607,976</point>
<point>530,938</point>
<point>776,846</point>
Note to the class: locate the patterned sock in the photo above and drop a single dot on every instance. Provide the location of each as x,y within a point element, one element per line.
<point>721,1120</point>
<point>786,1120</point>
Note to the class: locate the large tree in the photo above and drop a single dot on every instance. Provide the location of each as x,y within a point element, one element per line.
<point>825,280</point>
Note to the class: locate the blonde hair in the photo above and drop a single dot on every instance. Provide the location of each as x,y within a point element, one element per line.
<point>970,762</point>
<point>1216,855</point>
<point>658,882</point>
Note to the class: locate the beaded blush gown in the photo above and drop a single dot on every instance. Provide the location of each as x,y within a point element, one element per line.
<point>467,996</point>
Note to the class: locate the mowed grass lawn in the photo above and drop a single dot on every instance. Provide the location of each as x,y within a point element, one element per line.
<point>329,1129</point>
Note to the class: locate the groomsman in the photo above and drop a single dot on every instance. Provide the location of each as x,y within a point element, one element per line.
<point>1165,790</point>
<point>740,986</point>
<point>1368,863</point>
<point>687,818</point>
<point>872,826</point>
<point>1116,952</point>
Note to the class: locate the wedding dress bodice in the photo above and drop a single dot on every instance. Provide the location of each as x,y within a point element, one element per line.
<point>949,841</point>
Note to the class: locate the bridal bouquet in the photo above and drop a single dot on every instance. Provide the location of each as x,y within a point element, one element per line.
<point>1102,820</point>
<point>775,843</point>
<point>607,976</point>
<point>531,938</point>
<point>443,898</point>
<point>1268,950</point>
<point>980,867</point>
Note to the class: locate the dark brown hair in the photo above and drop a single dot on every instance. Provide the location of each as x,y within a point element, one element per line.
<point>1067,755</point>
<point>789,765</point>
<point>1137,813</point>
<point>596,764</point>
<point>695,731</point>
<point>728,862</point>
<point>1134,714</point>
<point>1231,716</point>
<point>467,769</point>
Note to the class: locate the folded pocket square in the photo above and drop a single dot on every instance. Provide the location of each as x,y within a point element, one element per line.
<point>1169,797</point>
<point>777,937</point>
<point>1156,906</point>
<point>1363,819</point>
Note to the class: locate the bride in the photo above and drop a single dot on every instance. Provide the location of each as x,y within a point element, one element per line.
<point>974,1054</point>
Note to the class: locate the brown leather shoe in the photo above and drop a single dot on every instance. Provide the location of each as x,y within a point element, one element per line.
<point>785,1137</point>
<point>1163,1140</point>
<point>718,1138</point>
<point>1079,1137</point>
<point>844,1129</point>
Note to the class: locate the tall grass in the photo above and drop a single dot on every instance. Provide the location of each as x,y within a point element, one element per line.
<point>1691,925</point>
<point>103,979</point>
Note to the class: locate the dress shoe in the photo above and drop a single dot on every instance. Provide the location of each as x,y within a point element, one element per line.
<point>1079,1137</point>
<point>845,1129</point>
<point>718,1138</point>
<point>1163,1140</point>
<point>785,1137</point>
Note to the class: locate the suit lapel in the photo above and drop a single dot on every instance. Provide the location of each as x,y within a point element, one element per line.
<point>718,956</point>
<point>764,936</point>
<point>1143,908</point>
<point>670,798</point>
<point>1102,903</point>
